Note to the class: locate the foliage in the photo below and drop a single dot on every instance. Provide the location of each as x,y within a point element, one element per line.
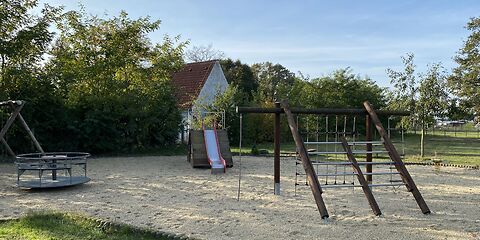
<point>342,89</point>
<point>459,110</point>
<point>274,80</point>
<point>24,40</point>
<point>203,53</point>
<point>465,79</point>
<point>240,75</point>
<point>404,85</point>
<point>425,98</point>
<point>432,99</point>
<point>104,88</point>
<point>115,83</point>
<point>424,95</point>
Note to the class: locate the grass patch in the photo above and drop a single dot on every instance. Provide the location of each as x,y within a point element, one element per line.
<point>51,225</point>
<point>447,149</point>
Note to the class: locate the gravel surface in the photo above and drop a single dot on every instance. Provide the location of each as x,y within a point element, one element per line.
<point>165,193</point>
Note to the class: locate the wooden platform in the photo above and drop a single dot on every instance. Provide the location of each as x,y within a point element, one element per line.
<point>197,154</point>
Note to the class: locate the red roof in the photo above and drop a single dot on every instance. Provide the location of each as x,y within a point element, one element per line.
<point>189,81</point>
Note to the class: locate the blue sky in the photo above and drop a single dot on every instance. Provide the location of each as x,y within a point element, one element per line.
<point>314,37</point>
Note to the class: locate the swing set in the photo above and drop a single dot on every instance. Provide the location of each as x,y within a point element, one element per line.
<point>336,143</point>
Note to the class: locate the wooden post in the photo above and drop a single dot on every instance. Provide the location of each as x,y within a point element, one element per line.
<point>7,147</point>
<point>30,133</point>
<point>8,124</point>
<point>361,178</point>
<point>399,165</point>
<point>368,136</point>
<point>276,152</point>
<point>307,165</point>
<point>10,120</point>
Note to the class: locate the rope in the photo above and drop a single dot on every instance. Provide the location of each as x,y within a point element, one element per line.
<point>317,157</point>
<point>388,127</point>
<point>336,140</point>
<point>240,159</point>
<point>307,130</point>
<point>344,134</point>
<point>403,140</point>
<point>353,130</point>
<point>326,146</point>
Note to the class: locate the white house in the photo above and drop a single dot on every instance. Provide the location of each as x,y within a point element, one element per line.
<point>196,85</point>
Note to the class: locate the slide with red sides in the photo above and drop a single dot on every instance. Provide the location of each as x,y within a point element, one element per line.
<point>213,151</point>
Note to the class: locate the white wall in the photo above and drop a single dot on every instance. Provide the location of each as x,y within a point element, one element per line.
<point>216,84</point>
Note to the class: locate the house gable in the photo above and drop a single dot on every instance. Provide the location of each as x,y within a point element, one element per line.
<point>189,81</point>
<point>215,84</point>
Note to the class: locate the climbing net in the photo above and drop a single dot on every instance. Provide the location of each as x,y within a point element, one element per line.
<point>322,133</point>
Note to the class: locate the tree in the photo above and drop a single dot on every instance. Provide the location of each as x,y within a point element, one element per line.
<point>24,41</point>
<point>274,80</point>
<point>24,37</point>
<point>241,76</point>
<point>342,89</point>
<point>116,83</point>
<point>423,95</point>
<point>432,99</point>
<point>465,78</point>
<point>203,53</point>
<point>405,88</point>
<point>457,110</point>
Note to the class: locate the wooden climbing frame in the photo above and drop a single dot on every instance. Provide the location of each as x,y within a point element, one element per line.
<point>371,116</point>
<point>16,107</point>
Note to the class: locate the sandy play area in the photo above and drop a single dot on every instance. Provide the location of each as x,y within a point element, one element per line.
<point>165,193</point>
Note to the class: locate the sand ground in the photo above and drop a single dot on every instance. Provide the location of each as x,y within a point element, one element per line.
<point>165,193</point>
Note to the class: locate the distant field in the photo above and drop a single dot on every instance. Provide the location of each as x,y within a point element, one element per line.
<point>442,147</point>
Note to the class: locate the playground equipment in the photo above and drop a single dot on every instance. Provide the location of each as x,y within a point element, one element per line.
<point>212,146</point>
<point>328,151</point>
<point>310,173</point>
<point>209,147</point>
<point>68,162</point>
<point>197,150</point>
<point>73,164</point>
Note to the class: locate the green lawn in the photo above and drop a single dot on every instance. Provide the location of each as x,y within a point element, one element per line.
<point>51,226</point>
<point>448,149</point>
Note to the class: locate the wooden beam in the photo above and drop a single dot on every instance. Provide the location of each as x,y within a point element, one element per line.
<point>30,133</point>
<point>361,178</point>
<point>7,103</point>
<point>399,165</point>
<point>7,147</point>
<point>324,111</point>
<point>11,119</point>
<point>307,165</point>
